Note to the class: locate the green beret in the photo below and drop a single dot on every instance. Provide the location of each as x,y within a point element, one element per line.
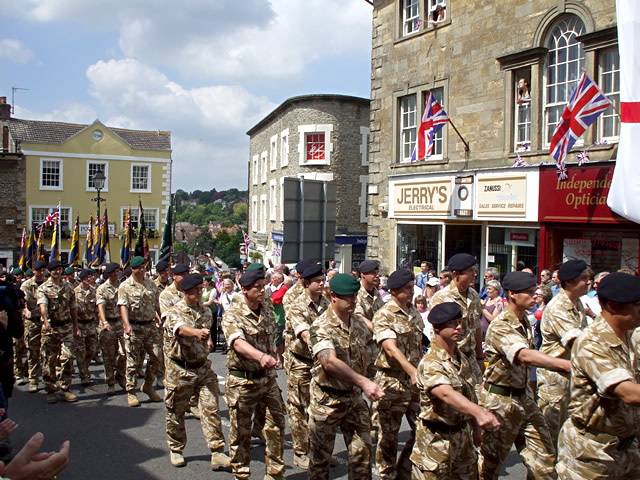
<point>344,284</point>
<point>207,278</point>
<point>29,273</point>
<point>69,271</point>
<point>255,266</point>
<point>16,271</point>
<point>136,262</point>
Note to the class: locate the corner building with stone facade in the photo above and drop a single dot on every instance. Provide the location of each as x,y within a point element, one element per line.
<point>317,137</point>
<point>472,59</point>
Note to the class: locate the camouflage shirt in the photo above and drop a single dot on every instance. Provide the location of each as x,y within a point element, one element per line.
<point>292,294</point>
<point>392,322</point>
<point>302,314</point>
<point>506,336</point>
<point>561,324</point>
<point>161,286</point>
<point>437,368</point>
<point>599,362</point>
<point>30,288</point>
<point>141,299</point>
<point>186,349</point>
<point>58,299</point>
<point>169,297</point>
<point>368,303</point>
<point>471,307</point>
<point>107,295</point>
<point>257,330</point>
<point>329,332</point>
<point>86,300</point>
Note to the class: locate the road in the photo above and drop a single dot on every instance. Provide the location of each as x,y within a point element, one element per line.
<point>110,440</point>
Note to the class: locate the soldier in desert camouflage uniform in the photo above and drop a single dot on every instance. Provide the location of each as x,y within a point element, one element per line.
<point>58,311</point>
<point>112,341</point>
<point>249,328</point>
<point>20,364</point>
<point>310,305</point>
<point>138,301</point>
<point>368,303</point>
<point>87,342</point>
<point>33,324</point>
<point>188,342</point>
<point>397,328</point>
<point>599,440</point>
<point>298,288</point>
<point>164,276</point>
<point>510,351</point>
<point>338,341</point>
<point>450,418</point>
<point>562,321</point>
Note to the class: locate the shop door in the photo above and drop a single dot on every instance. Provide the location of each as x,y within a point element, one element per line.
<point>462,239</point>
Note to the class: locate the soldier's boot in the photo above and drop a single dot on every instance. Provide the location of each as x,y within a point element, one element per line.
<point>122,381</point>
<point>177,460</point>
<point>51,397</point>
<point>195,411</point>
<point>68,396</point>
<point>220,461</point>
<point>22,380</point>
<point>111,390</point>
<point>153,396</point>
<point>301,461</point>
<point>85,382</point>
<point>132,400</point>
<point>33,387</point>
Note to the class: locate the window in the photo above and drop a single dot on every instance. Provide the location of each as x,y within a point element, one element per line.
<point>408,127</point>
<point>284,148</point>
<point>254,170</point>
<point>272,200</point>
<point>437,11</point>
<point>273,153</point>
<point>410,17</point>
<point>438,140</point>
<point>39,214</point>
<point>50,174</point>
<point>315,145</point>
<point>140,177</point>
<point>610,84</point>
<point>92,169</point>
<point>565,62</point>
<point>364,146</point>
<point>522,111</point>
<point>263,166</point>
<point>150,217</point>
<point>254,213</point>
<point>263,213</point>
<point>364,179</point>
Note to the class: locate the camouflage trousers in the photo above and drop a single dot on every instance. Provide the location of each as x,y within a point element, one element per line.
<point>114,352</point>
<point>553,400</point>
<point>522,423</point>
<point>401,399</point>
<point>298,382</point>
<point>327,413</point>
<point>372,353</point>
<point>244,397</point>
<point>181,384</point>
<point>20,365</point>
<point>33,340</point>
<point>144,339</point>
<point>585,456</point>
<point>86,347</point>
<point>58,346</point>
<point>162,361</point>
<point>443,456</point>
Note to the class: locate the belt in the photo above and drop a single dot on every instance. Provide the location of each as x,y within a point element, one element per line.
<point>34,319</point>
<point>335,391</point>
<point>301,358</point>
<point>114,319</point>
<point>58,324</point>
<point>441,427</point>
<point>248,375</point>
<point>88,321</point>
<point>134,322</point>
<point>602,437</point>
<point>188,365</point>
<point>504,391</point>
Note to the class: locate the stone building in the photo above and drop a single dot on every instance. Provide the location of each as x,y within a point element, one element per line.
<point>504,73</point>
<point>318,137</point>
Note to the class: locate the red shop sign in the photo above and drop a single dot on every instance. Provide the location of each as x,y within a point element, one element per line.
<point>581,198</point>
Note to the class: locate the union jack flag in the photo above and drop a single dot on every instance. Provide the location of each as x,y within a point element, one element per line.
<point>601,142</point>
<point>245,238</point>
<point>52,217</point>
<point>525,146</point>
<point>276,252</point>
<point>433,119</point>
<point>562,171</point>
<point>520,162</point>
<point>586,103</point>
<point>583,158</point>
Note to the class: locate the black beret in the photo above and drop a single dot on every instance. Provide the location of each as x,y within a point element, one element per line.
<point>137,262</point>
<point>344,284</point>
<point>443,312</point>
<point>127,272</point>
<point>180,268</point>
<point>302,264</point>
<point>571,269</point>
<point>162,265</point>
<point>400,278</point>
<point>39,264</point>
<point>191,280</point>
<point>111,267</point>
<point>312,271</point>
<point>84,274</point>
<point>250,277</point>
<point>53,264</point>
<point>461,261</point>
<point>368,266</point>
<point>619,287</point>
<point>518,281</point>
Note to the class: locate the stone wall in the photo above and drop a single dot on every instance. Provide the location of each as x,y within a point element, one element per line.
<point>13,200</point>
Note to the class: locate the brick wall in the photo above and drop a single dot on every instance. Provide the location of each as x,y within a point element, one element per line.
<point>12,202</point>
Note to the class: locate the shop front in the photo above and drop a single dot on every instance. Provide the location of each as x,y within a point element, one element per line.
<point>576,222</point>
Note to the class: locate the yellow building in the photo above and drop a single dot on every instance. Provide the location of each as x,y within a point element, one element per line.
<point>62,159</point>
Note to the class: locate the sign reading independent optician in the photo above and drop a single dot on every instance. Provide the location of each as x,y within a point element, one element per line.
<point>421,197</point>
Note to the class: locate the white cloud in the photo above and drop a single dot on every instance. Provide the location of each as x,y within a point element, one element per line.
<point>72,113</point>
<point>14,51</point>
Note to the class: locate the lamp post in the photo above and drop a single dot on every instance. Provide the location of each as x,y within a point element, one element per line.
<point>98,184</point>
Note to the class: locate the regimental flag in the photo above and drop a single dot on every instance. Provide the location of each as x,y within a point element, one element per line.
<point>23,251</point>
<point>39,255</point>
<point>586,103</point>
<point>95,244</point>
<point>52,217</point>
<point>74,254</point>
<point>167,239</point>
<point>104,239</point>
<point>142,245</point>
<point>55,238</point>
<point>88,256</point>
<point>125,250</point>
<point>433,119</point>
<point>31,249</point>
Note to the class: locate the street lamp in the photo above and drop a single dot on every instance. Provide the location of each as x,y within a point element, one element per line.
<point>98,184</point>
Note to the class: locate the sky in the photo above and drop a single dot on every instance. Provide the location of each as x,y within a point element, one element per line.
<point>206,70</point>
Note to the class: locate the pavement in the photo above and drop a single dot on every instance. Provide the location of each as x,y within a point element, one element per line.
<point>110,440</point>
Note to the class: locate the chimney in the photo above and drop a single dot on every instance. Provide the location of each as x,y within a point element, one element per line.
<point>5,109</point>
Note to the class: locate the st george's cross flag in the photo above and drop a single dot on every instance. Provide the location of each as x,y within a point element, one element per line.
<point>625,185</point>
<point>433,119</point>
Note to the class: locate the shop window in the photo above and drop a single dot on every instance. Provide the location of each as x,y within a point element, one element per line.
<point>418,243</point>
<point>512,249</point>
<point>609,71</point>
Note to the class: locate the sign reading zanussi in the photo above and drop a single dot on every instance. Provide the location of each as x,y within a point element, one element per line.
<point>502,196</point>
<point>423,198</point>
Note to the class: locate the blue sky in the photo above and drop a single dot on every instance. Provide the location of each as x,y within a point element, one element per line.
<point>207,70</point>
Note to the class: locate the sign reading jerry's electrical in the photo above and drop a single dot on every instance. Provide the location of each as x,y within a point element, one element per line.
<point>428,197</point>
<point>499,196</point>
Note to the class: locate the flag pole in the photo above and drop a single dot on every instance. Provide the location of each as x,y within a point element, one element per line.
<point>466,145</point>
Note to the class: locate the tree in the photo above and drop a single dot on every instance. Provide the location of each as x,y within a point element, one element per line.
<point>241,211</point>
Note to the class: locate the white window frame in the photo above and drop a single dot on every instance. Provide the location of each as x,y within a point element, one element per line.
<point>408,124</point>
<point>521,117</point>
<point>141,190</point>
<point>135,213</point>
<point>438,141</point>
<point>303,131</point>
<point>282,199</point>
<point>273,199</point>
<point>364,146</point>
<point>273,152</point>
<point>362,201</point>
<point>49,209</point>
<point>91,188</point>
<point>263,167</point>
<point>432,6</point>
<point>284,148</point>
<point>254,213</point>
<point>410,16</point>
<point>612,94</point>
<point>263,213</point>
<point>61,175</point>
<point>255,170</point>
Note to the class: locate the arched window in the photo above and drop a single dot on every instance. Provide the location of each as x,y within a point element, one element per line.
<point>565,62</point>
